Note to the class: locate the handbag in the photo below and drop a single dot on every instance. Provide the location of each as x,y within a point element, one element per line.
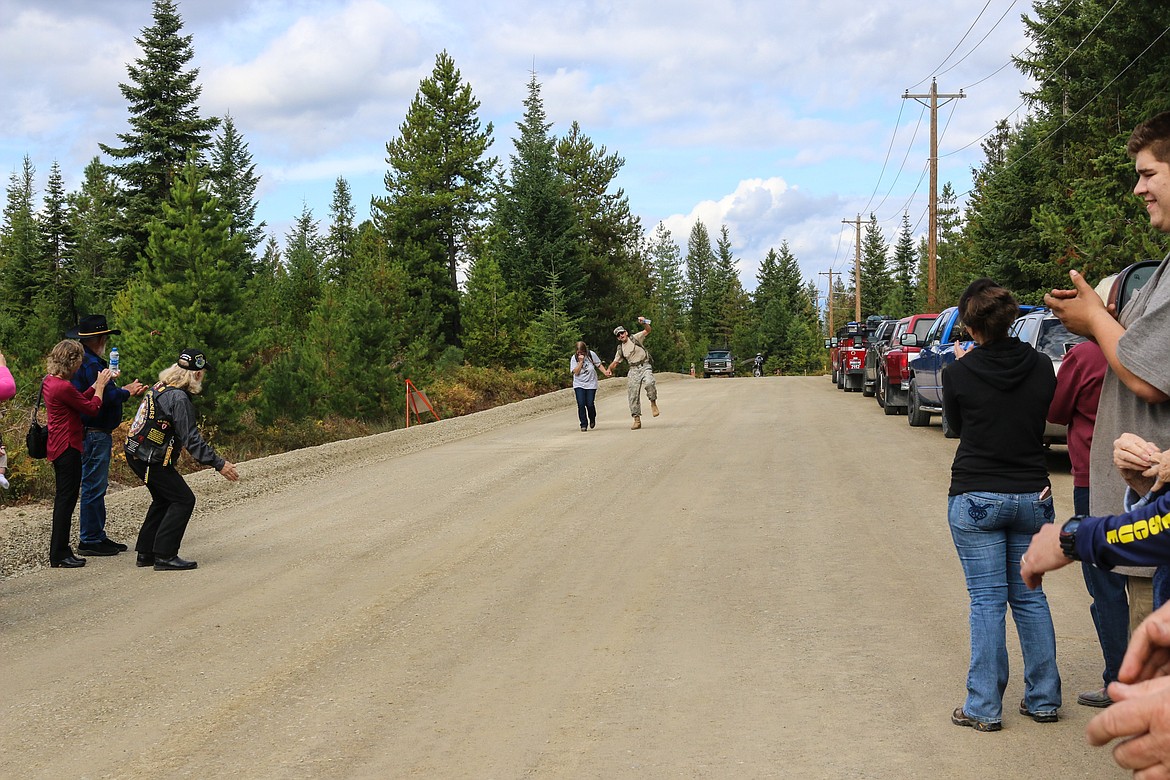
<point>37,439</point>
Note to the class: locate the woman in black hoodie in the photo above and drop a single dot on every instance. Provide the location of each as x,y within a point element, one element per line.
<point>996,397</point>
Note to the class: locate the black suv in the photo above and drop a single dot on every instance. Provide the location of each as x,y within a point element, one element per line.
<point>718,361</point>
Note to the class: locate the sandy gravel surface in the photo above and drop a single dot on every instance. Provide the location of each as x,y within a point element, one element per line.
<point>759,583</point>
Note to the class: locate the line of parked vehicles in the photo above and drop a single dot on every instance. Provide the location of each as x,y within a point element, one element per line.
<point>900,362</point>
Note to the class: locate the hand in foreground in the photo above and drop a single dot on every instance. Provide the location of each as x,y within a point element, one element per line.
<point>1043,555</point>
<point>1078,308</point>
<point>135,388</point>
<point>1131,451</point>
<point>103,378</point>
<point>229,471</point>
<point>1159,471</point>
<point>1140,716</point>
<point>1148,655</point>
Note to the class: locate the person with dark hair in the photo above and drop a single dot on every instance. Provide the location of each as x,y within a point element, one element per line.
<point>995,396</point>
<point>163,427</point>
<point>1134,395</point>
<point>584,366</point>
<point>94,334</point>
<point>1078,390</point>
<point>64,405</point>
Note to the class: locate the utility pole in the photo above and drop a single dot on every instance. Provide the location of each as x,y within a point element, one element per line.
<point>830,273</point>
<point>856,268</point>
<point>932,236</point>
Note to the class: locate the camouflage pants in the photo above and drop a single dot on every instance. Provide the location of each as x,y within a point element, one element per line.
<point>640,376</point>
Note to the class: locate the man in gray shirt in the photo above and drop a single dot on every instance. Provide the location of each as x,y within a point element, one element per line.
<point>1134,399</point>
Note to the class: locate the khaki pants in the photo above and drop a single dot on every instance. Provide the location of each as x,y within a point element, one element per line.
<point>1141,600</point>
<point>640,376</point>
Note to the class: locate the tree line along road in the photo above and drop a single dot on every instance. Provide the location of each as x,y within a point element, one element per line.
<point>759,583</point>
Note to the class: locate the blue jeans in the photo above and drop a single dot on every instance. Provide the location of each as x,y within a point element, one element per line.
<point>1110,607</point>
<point>95,478</point>
<point>991,531</point>
<point>586,411</point>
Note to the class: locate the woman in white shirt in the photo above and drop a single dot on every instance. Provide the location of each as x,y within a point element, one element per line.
<point>585,364</point>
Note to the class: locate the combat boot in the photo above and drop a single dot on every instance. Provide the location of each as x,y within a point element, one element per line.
<point>637,424</point>
<point>654,408</point>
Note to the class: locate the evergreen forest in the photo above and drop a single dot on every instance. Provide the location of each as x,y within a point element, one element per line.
<point>485,259</point>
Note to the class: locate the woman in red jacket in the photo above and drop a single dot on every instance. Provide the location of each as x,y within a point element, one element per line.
<point>64,406</point>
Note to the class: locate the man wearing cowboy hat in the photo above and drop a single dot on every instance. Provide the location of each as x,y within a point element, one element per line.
<point>632,349</point>
<point>94,333</point>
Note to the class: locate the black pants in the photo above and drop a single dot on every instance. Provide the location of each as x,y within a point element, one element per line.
<point>67,470</point>
<point>169,511</point>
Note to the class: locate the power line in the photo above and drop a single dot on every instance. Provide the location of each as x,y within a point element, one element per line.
<point>1078,112</point>
<point>934,73</point>
<point>981,40</point>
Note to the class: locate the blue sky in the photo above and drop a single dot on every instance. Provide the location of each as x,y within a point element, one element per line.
<point>779,120</point>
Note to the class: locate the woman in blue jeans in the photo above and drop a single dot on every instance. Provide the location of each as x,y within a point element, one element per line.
<point>584,366</point>
<point>996,396</point>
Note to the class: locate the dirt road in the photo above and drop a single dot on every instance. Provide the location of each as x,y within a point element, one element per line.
<point>759,583</point>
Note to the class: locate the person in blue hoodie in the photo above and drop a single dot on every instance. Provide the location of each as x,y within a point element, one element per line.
<point>996,397</point>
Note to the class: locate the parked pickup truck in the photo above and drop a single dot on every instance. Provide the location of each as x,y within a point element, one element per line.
<point>924,389</point>
<point>843,338</point>
<point>924,395</point>
<point>851,357</point>
<point>718,361</point>
<point>894,368</point>
<point>875,350</point>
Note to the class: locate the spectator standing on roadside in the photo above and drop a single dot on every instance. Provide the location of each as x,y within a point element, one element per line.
<point>996,396</point>
<point>1133,399</point>
<point>94,333</point>
<point>632,349</point>
<point>584,366</point>
<point>7,391</point>
<point>1078,390</point>
<point>64,405</point>
<point>163,427</point>
<point>1136,344</point>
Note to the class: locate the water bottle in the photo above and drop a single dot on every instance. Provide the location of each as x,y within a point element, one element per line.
<point>114,363</point>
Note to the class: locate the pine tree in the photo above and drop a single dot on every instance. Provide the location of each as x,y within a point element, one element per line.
<point>234,181</point>
<point>553,334</point>
<point>875,273</point>
<point>55,307</point>
<point>341,241</point>
<point>98,270</point>
<point>188,295</point>
<point>493,320</point>
<point>22,262</point>
<point>901,299</point>
<point>304,259</point>
<point>700,262</point>
<point>617,280</point>
<point>436,188</point>
<point>165,126</point>
<point>729,302</point>
<point>535,233</point>
<point>667,301</point>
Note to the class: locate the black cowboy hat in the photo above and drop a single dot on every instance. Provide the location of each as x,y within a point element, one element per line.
<point>91,325</point>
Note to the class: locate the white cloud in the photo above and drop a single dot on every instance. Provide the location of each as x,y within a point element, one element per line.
<point>772,118</point>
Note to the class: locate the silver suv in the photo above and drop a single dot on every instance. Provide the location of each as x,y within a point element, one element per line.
<point>1049,337</point>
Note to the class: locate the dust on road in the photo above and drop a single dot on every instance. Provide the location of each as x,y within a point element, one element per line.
<point>759,583</point>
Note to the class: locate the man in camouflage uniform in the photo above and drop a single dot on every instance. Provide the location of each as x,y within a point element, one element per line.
<point>632,349</point>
